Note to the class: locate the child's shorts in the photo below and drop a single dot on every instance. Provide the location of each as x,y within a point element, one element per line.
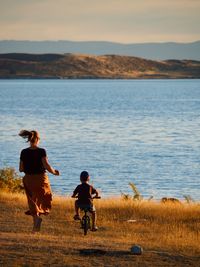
<point>90,207</point>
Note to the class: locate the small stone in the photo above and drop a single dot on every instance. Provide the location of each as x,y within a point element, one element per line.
<point>136,250</point>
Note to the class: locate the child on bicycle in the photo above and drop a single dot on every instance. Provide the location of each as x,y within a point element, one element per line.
<point>85,194</point>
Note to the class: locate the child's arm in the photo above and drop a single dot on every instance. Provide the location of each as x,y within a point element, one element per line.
<point>95,193</point>
<point>75,192</point>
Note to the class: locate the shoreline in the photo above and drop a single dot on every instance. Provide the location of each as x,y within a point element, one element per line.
<point>99,78</point>
<point>11,181</point>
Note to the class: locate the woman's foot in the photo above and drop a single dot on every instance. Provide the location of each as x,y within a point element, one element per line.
<point>27,212</point>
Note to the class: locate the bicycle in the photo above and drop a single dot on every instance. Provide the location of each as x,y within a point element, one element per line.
<point>86,220</point>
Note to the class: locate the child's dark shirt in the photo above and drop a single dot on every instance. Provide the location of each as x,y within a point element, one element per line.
<point>85,192</point>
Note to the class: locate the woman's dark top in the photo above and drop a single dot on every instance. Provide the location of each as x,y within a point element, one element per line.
<point>85,192</point>
<point>32,160</point>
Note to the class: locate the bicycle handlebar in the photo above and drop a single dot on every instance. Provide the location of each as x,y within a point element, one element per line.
<point>97,197</point>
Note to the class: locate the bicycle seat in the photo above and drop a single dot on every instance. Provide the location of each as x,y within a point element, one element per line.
<point>85,207</point>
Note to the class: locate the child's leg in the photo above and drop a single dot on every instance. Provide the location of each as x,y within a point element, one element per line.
<point>76,217</point>
<point>76,208</point>
<point>94,219</point>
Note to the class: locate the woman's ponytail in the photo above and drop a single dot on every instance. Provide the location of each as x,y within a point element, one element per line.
<point>31,136</point>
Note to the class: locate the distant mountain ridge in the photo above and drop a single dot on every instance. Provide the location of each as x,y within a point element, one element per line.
<point>154,51</point>
<point>74,66</point>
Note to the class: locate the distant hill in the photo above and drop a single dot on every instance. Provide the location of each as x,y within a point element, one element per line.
<point>154,51</point>
<point>73,66</point>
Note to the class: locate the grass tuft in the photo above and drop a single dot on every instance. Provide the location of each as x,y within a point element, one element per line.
<point>10,181</point>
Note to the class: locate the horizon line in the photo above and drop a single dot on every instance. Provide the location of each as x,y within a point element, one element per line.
<point>93,41</point>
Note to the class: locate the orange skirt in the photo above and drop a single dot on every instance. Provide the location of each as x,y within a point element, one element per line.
<point>38,192</point>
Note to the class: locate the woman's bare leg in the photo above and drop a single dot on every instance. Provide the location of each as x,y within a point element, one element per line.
<point>36,223</point>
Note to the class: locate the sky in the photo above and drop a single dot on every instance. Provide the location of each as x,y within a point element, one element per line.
<point>122,21</point>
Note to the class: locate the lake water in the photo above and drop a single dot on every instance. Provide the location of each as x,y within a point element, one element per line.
<point>121,131</point>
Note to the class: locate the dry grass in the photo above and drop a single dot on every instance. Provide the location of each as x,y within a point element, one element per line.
<point>168,233</point>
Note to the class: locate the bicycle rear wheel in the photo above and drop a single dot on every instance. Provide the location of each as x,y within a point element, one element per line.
<point>86,224</point>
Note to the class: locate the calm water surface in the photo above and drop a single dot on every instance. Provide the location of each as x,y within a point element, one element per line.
<point>141,131</point>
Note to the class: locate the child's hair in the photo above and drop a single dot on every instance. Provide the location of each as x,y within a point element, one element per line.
<point>84,176</point>
<point>31,136</point>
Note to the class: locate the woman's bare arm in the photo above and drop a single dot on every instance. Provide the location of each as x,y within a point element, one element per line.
<point>48,167</point>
